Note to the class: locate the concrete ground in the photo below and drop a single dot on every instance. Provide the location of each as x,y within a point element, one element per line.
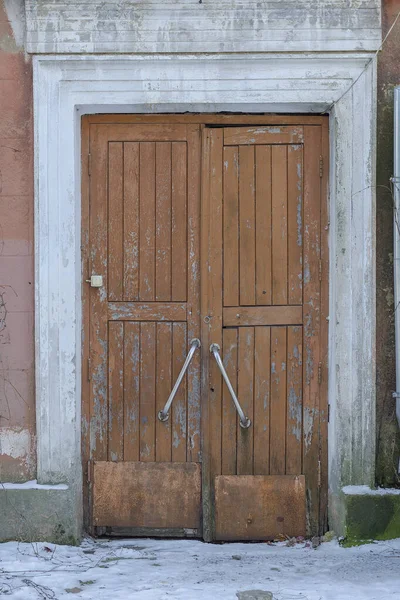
<point>192,570</point>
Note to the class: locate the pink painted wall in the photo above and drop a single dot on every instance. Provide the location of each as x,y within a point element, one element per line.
<point>17,408</point>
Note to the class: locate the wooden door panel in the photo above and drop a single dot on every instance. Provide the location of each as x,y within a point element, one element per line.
<point>266,184</point>
<point>147,225</point>
<point>260,507</point>
<point>264,365</point>
<point>263,300</point>
<point>262,230</point>
<point>147,496</point>
<point>144,191</point>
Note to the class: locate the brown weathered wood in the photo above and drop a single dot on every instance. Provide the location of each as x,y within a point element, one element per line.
<point>152,494</point>
<point>259,507</point>
<point>246,399</point>
<point>278,401</point>
<point>179,406</point>
<point>115,221</point>
<point>229,414</point>
<point>163,221</point>
<point>263,224</point>
<point>147,222</point>
<point>147,311</point>
<point>263,135</point>
<point>231,226</point>
<point>131,434</point>
<point>85,378</point>
<point>279,226</point>
<point>262,384</point>
<point>312,321</point>
<point>143,363</point>
<point>295,225</point>
<point>131,221</point>
<point>179,221</point>
<point>164,132</point>
<point>235,316</point>
<point>193,293</point>
<point>323,390</point>
<point>294,419</point>
<point>208,119</point>
<point>211,313</point>
<point>247,224</point>
<point>147,391</point>
<point>164,384</point>
<point>98,265</point>
<point>115,391</point>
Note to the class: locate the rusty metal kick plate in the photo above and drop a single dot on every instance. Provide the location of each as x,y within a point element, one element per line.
<point>147,494</point>
<point>255,507</point>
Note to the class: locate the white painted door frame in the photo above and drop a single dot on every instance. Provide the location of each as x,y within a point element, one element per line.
<point>342,84</point>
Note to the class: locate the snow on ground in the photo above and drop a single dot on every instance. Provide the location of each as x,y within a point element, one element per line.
<point>192,570</point>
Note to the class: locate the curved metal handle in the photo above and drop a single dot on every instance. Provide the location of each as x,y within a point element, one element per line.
<point>163,414</point>
<point>244,421</point>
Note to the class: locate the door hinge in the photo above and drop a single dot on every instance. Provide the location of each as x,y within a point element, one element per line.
<point>319,473</point>
<point>89,164</point>
<point>89,472</point>
<point>321,166</point>
<point>329,412</point>
<point>320,270</point>
<point>88,369</point>
<point>319,372</point>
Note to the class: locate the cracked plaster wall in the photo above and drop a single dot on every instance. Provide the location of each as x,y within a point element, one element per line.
<point>17,407</point>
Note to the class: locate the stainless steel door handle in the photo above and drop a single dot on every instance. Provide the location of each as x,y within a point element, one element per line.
<point>163,414</point>
<point>243,420</point>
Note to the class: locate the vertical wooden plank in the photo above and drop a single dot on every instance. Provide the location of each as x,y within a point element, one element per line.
<point>294,425</point>
<point>85,371</point>
<point>323,390</point>
<point>147,391</point>
<point>115,220</point>
<point>131,221</point>
<point>163,221</point>
<point>247,226</point>
<point>295,223</point>
<point>231,226</point>
<point>98,301</point>
<point>263,225</point>
<point>312,321</point>
<point>147,222</point>
<point>279,226</point>
<point>178,409</point>
<point>262,382</point>
<point>211,312</point>
<point>179,222</point>
<point>115,390</point>
<point>278,401</point>
<point>131,390</point>
<point>229,414</point>
<point>193,299</point>
<point>164,385</point>
<point>245,397</point>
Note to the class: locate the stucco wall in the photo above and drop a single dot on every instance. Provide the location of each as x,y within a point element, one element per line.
<point>17,408</point>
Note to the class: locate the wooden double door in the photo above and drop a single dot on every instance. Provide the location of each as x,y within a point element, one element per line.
<point>211,229</point>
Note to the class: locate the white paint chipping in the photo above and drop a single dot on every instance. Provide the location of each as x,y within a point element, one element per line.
<point>15,443</point>
<point>178,26</point>
<point>15,11</point>
<point>32,485</point>
<point>365,490</point>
